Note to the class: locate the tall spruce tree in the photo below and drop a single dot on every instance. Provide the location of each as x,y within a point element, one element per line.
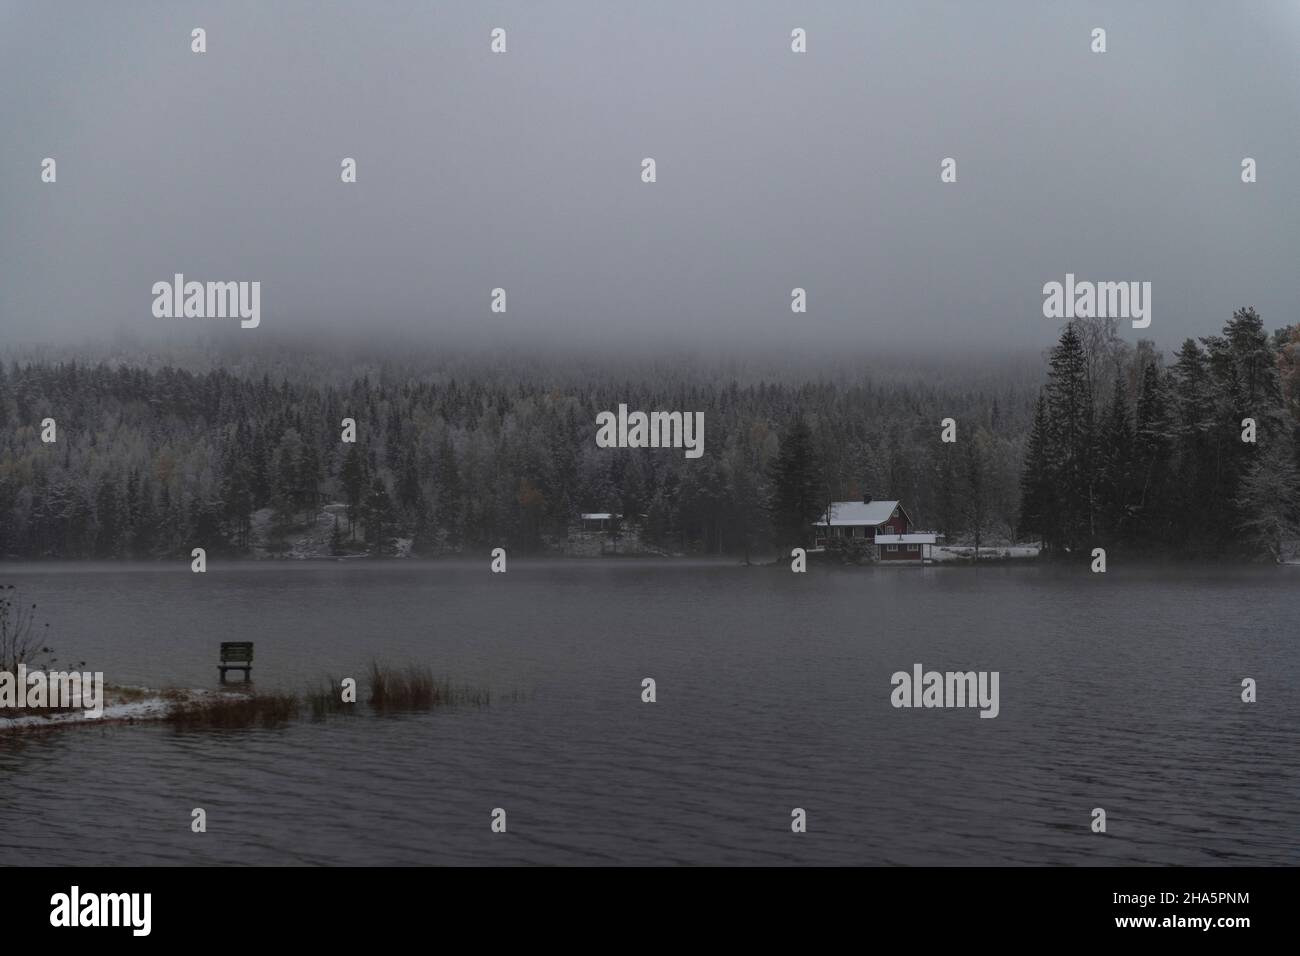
<point>796,501</point>
<point>1269,501</point>
<point>1193,442</point>
<point>1038,500</point>
<point>1116,464</point>
<point>975,473</point>
<point>1152,446</point>
<point>353,475</point>
<point>1070,413</point>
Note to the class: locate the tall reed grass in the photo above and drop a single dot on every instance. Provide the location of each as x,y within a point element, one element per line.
<point>392,690</point>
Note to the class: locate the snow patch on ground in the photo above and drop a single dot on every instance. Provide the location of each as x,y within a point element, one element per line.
<point>312,540</point>
<point>941,553</point>
<point>121,705</point>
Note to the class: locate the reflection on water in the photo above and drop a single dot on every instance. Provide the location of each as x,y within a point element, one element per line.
<point>1118,691</point>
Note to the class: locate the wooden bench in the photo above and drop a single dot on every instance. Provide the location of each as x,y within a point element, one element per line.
<point>236,656</point>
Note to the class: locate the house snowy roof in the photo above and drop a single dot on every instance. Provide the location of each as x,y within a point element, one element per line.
<point>857,513</point>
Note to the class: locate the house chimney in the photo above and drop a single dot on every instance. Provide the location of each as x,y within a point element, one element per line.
<point>866,498</point>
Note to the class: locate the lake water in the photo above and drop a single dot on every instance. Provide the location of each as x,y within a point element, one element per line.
<point>1119,691</point>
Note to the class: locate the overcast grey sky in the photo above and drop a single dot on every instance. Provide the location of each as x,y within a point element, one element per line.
<point>775,170</point>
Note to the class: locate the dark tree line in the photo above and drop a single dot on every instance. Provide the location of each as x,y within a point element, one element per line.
<point>151,462</point>
<point>1125,452</point>
<point>1119,450</point>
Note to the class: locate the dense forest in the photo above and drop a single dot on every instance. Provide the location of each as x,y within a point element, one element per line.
<point>1106,445</point>
<point>459,454</point>
<point>1198,458</point>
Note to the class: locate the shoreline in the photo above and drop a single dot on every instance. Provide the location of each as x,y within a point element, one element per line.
<point>123,705</point>
<point>989,555</point>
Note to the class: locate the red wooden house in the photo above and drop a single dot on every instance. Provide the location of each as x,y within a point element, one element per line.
<point>884,523</point>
